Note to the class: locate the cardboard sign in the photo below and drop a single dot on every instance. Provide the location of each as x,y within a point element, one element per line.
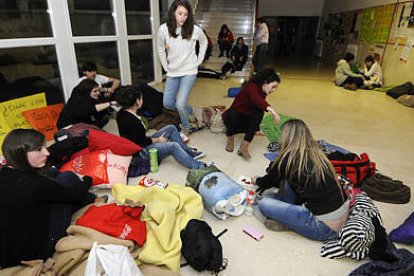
<point>44,119</point>
<point>11,113</point>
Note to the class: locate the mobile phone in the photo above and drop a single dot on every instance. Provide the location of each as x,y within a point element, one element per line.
<point>253,232</point>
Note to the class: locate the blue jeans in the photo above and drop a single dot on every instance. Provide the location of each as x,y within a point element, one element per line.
<point>176,93</point>
<point>61,214</point>
<point>175,147</point>
<point>282,208</point>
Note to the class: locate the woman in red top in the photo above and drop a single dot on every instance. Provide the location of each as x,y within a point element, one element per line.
<point>247,109</point>
<point>225,40</point>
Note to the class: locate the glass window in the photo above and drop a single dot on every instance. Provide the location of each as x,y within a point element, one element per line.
<point>103,54</point>
<point>142,65</point>
<point>20,19</point>
<point>164,6</point>
<point>91,17</point>
<point>30,70</point>
<point>138,16</point>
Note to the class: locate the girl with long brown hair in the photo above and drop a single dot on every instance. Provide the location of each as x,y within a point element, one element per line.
<point>310,200</point>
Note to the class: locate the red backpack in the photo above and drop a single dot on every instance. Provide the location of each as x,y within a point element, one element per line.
<point>357,169</point>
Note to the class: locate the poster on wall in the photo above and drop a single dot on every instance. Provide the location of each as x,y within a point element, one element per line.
<point>400,24</point>
<point>375,24</point>
<point>411,19</point>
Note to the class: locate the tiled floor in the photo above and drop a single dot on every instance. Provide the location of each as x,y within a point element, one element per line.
<point>361,121</point>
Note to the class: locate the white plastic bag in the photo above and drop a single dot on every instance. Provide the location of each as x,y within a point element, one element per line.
<point>111,260</point>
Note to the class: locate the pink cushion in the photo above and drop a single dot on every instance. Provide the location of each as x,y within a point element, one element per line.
<point>118,145</point>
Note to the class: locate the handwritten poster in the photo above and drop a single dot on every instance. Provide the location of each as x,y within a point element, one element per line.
<point>11,116</point>
<point>44,119</point>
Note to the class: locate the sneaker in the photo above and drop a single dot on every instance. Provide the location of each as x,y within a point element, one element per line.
<point>196,154</point>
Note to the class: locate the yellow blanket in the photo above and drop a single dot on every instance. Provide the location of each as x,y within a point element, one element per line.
<point>167,212</point>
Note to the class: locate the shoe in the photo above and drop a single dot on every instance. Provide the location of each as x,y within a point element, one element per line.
<point>243,151</point>
<point>230,144</point>
<point>102,199</point>
<point>275,225</point>
<point>196,154</point>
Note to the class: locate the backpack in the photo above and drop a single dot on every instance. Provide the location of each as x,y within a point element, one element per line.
<point>354,167</point>
<point>201,249</point>
<point>61,151</point>
<point>403,89</point>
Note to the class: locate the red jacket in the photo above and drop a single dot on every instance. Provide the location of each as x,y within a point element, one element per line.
<point>229,36</point>
<point>121,222</point>
<point>250,97</point>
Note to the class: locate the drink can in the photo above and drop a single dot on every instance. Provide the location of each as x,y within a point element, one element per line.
<point>153,160</point>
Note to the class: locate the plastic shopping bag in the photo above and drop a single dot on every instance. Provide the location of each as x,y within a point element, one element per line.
<point>111,260</point>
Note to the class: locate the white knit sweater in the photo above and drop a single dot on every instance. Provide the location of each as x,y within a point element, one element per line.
<point>177,55</point>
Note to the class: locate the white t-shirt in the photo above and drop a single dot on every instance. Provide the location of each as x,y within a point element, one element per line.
<point>177,55</point>
<point>100,79</point>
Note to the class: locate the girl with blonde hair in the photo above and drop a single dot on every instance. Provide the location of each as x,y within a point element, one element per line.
<point>310,200</point>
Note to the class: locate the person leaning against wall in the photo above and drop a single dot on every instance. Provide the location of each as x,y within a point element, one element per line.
<point>177,52</point>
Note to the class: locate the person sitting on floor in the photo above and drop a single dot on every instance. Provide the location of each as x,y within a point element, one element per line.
<point>37,202</point>
<point>90,71</point>
<point>246,112</point>
<point>310,201</point>
<point>372,73</point>
<point>225,40</point>
<point>84,106</point>
<point>239,54</point>
<point>167,140</point>
<point>345,77</point>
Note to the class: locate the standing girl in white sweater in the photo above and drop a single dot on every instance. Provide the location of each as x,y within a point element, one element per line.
<point>176,49</point>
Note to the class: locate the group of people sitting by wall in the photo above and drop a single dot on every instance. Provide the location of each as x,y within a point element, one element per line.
<point>310,200</point>
<point>351,77</point>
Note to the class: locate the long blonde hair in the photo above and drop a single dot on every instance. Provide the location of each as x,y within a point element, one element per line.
<point>302,155</point>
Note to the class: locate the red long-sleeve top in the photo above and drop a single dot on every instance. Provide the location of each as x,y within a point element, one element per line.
<point>250,97</point>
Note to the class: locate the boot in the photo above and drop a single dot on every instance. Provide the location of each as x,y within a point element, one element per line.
<point>244,150</point>
<point>230,143</point>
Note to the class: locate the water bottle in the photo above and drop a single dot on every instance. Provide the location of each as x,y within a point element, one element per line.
<point>153,160</point>
<point>249,203</point>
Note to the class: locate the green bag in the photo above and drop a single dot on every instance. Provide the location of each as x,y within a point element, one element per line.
<point>273,131</point>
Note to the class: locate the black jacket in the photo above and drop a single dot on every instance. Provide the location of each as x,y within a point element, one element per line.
<point>80,108</point>
<point>27,199</point>
<point>319,198</point>
<point>131,128</point>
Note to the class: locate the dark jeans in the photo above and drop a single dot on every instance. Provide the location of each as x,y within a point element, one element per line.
<point>239,123</point>
<point>208,73</point>
<point>350,80</point>
<point>208,53</point>
<point>61,214</point>
<point>225,46</point>
<point>260,57</point>
<point>239,63</point>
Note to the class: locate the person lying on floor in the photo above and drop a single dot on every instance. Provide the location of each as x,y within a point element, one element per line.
<point>310,200</point>
<point>37,203</point>
<point>84,106</point>
<point>246,112</point>
<point>167,140</point>
<point>345,77</point>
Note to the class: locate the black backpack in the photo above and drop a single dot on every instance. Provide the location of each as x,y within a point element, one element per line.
<point>201,249</point>
<point>62,151</point>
